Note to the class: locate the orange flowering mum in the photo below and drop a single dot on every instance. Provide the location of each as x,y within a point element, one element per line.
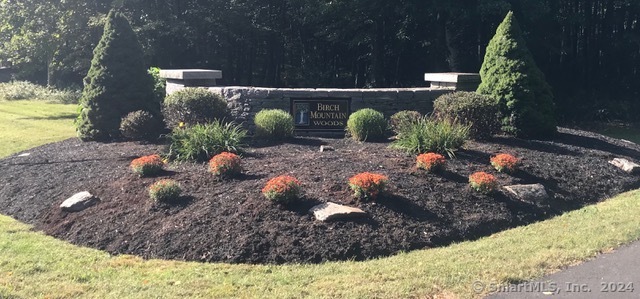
<point>282,189</point>
<point>225,164</point>
<point>430,162</point>
<point>147,165</point>
<point>165,190</point>
<point>483,182</point>
<point>504,162</point>
<point>367,185</point>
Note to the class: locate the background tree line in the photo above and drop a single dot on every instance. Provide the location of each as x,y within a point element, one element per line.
<point>589,50</point>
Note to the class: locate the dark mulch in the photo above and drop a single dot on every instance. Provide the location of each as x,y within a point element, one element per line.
<point>230,221</point>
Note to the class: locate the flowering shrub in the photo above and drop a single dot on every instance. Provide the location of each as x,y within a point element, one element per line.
<point>483,182</point>
<point>504,163</point>
<point>147,165</point>
<point>430,162</point>
<point>282,189</point>
<point>225,164</point>
<point>165,190</point>
<point>367,185</point>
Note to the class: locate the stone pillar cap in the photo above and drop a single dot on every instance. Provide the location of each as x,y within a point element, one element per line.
<point>452,77</point>
<point>191,74</point>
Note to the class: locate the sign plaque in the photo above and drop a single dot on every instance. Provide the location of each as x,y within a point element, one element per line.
<point>320,114</point>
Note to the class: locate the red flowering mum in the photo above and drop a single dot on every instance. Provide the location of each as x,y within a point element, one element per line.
<point>282,189</point>
<point>147,165</point>
<point>368,185</point>
<point>225,164</point>
<point>504,162</point>
<point>483,182</point>
<point>430,162</point>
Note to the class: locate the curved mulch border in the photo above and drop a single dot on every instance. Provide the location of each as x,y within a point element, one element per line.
<point>230,221</point>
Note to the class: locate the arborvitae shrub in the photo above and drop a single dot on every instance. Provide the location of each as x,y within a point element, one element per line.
<point>192,106</point>
<point>140,125</point>
<point>469,108</point>
<point>274,124</point>
<point>117,82</point>
<point>402,119</point>
<point>511,77</point>
<point>367,124</point>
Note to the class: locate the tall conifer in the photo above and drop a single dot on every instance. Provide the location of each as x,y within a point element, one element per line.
<point>117,82</point>
<point>511,77</point>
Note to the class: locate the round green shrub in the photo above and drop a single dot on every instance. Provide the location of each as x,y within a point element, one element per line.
<point>402,119</point>
<point>192,106</point>
<point>140,125</point>
<point>367,124</point>
<point>165,190</point>
<point>274,124</point>
<point>469,108</point>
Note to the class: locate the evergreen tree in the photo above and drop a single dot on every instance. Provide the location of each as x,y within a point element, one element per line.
<point>117,82</point>
<point>511,77</point>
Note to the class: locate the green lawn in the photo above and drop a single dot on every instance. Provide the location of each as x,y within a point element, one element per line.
<point>628,132</point>
<point>25,124</point>
<point>33,265</point>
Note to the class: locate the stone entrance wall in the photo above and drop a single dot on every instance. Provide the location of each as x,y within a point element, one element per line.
<point>245,102</point>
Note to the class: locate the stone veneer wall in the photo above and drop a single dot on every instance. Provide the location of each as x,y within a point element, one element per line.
<point>245,102</point>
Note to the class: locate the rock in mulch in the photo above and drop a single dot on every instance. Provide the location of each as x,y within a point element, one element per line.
<point>531,193</point>
<point>79,202</point>
<point>626,165</point>
<point>326,148</point>
<point>332,211</point>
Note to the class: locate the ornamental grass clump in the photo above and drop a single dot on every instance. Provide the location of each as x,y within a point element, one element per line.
<point>368,186</point>
<point>147,165</point>
<point>200,142</point>
<point>432,135</point>
<point>431,162</point>
<point>165,190</point>
<point>504,163</point>
<point>225,164</point>
<point>282,189</point>
<point>483,182</point>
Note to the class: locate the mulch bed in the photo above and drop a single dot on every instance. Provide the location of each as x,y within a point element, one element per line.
<point>230,221</point>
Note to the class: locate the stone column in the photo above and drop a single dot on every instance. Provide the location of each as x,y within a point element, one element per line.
<point>181,78</point>
<point>455,81</point>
